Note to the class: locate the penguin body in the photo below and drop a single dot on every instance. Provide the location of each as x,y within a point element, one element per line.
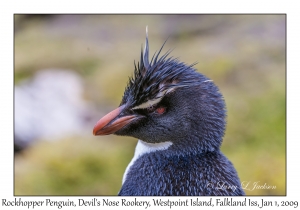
<point>158,173</point>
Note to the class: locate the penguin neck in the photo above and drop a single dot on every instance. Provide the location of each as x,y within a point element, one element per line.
<point>171,149</point>
<point>145,148</point>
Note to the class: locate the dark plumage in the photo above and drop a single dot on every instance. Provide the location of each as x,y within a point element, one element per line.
<point>200,174</point>
<point>179,116</point>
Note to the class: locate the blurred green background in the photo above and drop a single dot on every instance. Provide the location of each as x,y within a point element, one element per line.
<point>245,55</point>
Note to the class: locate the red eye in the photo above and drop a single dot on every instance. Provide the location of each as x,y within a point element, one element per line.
<point>160,110</point>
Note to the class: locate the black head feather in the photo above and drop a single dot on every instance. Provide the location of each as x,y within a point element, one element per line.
<point>162,73</point>
<point>196,102</point>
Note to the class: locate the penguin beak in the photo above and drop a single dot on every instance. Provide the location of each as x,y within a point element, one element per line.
<point>112,122</point>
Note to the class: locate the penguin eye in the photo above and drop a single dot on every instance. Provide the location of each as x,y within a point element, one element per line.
<point>160,110</point>
<point>156,109</point>
<point>151,109</point>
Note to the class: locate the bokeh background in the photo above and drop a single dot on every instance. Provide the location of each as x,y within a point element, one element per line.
<point>72,69</point>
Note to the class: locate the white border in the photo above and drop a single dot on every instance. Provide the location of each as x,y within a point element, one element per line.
<point>6,72</point>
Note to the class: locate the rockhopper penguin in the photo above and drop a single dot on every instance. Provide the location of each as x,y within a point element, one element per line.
<point>178,115</point>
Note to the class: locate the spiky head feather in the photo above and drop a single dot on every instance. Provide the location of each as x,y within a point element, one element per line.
<point>158,77</point>
<point>197,103</point>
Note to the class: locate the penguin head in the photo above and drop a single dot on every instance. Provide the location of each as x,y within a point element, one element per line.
<point>166,100</point>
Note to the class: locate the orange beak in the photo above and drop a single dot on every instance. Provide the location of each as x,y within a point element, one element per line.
<point>110,123</point>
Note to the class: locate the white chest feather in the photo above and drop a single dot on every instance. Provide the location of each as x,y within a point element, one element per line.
<point>144,148</point>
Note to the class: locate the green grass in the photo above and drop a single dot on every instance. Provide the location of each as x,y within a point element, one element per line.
<point>73,167</point>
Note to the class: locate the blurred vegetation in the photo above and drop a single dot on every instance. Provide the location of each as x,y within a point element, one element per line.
<point>243,54</point>
<point>72,167</point>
